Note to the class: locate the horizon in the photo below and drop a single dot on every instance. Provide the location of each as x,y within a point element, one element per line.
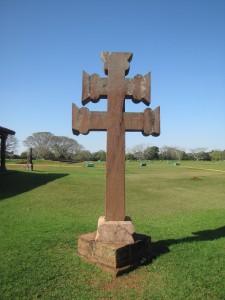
<point>46,46</point>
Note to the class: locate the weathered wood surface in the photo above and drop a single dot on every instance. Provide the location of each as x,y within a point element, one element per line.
<point>116,88</point>
<point>147,122</point>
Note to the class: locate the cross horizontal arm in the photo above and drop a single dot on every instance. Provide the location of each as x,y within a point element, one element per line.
<point>84,121</point>
<point>148,122</point>
<point>94,88</point>
<point>139,88</point>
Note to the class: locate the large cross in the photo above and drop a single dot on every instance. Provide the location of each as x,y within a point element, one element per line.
<point>116,88</point>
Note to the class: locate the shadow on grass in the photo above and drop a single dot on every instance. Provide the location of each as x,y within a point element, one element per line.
<point>13,183</point>
<point>162,246</point>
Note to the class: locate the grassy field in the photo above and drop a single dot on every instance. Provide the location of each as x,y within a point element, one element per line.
<point>42,214</point>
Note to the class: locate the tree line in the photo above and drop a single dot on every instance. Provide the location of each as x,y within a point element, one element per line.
<point>140,152</point>
<point>46,145</point>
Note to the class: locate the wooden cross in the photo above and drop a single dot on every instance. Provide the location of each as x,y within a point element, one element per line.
<point>116,88</point>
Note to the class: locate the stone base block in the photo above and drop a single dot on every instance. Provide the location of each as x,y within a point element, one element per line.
<point>115,258</point>
<point>115,231</point>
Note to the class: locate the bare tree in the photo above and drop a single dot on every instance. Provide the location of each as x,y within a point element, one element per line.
<point>41,142</point>
<point>138,151</point>
<point>197,152</point>
<point>11,144</point>
<point>178,152</point>
<point>47,145</point>
<point>166,153</point>
<point>65,147</point>
<point>170,153</point>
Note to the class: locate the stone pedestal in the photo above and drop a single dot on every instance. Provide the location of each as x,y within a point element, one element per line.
<point>113,257</point>
<point>115,231</point>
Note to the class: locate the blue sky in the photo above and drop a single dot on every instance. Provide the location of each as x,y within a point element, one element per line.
<point>45,46</point>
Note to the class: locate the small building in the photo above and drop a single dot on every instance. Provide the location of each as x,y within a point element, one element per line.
<point>4,132</point>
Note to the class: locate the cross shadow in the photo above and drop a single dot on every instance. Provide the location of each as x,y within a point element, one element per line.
<point>13,183</point>
<point>162,246</point>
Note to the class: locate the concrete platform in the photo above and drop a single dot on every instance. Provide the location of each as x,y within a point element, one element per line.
<point>115,258</point>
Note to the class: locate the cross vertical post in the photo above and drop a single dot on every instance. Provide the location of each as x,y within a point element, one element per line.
<point>117,65</point>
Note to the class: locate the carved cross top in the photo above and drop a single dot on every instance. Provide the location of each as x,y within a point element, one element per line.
<point>116,88</point>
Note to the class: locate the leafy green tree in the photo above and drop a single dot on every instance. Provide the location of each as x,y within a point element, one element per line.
<point>217,154</point>
<point>151,153</point>
<point>130,156</point>
<point>99,155</point>
<point>205,156</point>
<point>183,156</point>
<point>50,155</point>
<point>83,155</point>
<point>23,155</point>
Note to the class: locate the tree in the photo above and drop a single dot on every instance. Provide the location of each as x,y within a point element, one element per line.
<point>11,145</point>
<point>197,152</point>
<point>99,155</point>
<point>64,147</point>
<point>138,151</point>
<point>48,146</point>
<point>41,142</point>
<point>83,155</point>
<point>23,155</point>
<point>151,153</point>
<point>172,153</point>
<point>217,155</point>
<point>184,155</point>
<point>176,153</point>
<point>167,153</point>
<point>130,156</point>
<point>205,156</point>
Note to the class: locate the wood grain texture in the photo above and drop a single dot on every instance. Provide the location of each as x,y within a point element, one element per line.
<point>116,88</point>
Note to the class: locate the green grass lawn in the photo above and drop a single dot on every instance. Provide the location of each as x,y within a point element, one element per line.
<point>42,214</point>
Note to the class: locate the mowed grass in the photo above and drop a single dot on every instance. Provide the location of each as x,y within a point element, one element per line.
<point>42,214</point>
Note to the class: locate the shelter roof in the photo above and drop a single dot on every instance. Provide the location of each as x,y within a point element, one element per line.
<point>4,130</point>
